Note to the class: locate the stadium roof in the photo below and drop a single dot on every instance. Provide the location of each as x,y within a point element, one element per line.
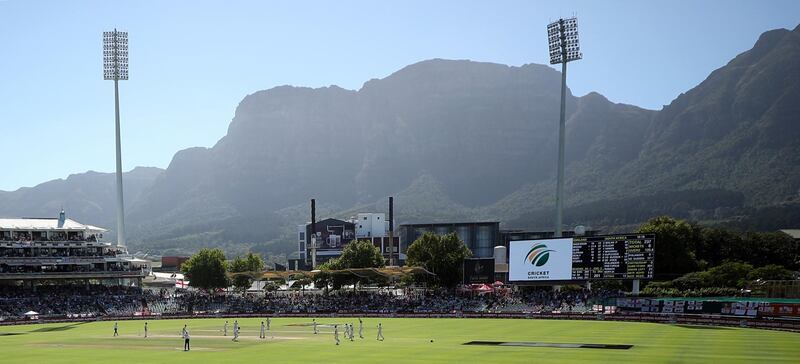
<point>358,272</point>
<point>27,223</point>
<point>794,233</point>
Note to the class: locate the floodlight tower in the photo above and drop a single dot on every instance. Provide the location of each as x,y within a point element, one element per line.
<point>115,67</point>
<point>562,36</point>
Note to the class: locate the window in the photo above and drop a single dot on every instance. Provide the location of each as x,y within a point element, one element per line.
<point>483,244</point>
<point>464,233</point>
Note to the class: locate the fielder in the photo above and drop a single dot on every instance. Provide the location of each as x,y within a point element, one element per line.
<point>360,328</point>
<point>352,332</point>
<point>336,333</point>
<point>236,330</point>
<point>225,329</point>
<point>185,339</point>
<point>145,329</point>
<point>380,332</point>
<point>115,329</point>
<point>314,323</point>
<point>262,335</point>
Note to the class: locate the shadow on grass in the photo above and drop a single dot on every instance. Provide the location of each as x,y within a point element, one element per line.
<point>12,333</point>
<point>703,327</point>
<point>58,328</point>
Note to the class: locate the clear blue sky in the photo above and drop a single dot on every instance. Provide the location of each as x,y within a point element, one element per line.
<point>193,61</point>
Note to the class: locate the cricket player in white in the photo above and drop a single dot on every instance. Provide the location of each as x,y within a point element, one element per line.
<point>145,329</point>
<point>115,329</point>
<point>262,335</point>
<point>315,326</point>
<point>380,332</point>
<point>236,330</point>
<point>225,329</point>
<point>352,332</point>
<point>336,333</point>
<point>185,339</point>
<point>360,328</point>
<point>346,331</point>
<point>183,331</point>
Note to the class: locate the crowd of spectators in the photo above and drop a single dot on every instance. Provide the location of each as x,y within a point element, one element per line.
<point>24,236</point>
<point>392,301</point>
<point>31,252</point>
<point>63,268</point>
<point>69,300</point>
<point>109,300</point>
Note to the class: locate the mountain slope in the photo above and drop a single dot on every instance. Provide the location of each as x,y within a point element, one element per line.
<point>445,136</point>
<point>737,131</point>
<point>455,139</point>
<point>87,197</point>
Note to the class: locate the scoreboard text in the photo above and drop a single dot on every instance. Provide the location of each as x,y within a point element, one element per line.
<point>627,256</point>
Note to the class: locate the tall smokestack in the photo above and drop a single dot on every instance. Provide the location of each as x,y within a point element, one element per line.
<point>391,234</point>
<point>391,213</point>
<point>313,216</point>
<point>313,238</point>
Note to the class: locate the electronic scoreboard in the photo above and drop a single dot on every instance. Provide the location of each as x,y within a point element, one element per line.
<point>613,256</point>
<point>622,256</point>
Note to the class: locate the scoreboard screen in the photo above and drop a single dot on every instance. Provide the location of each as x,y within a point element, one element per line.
<point>613,256</point>
<point>624,256</point>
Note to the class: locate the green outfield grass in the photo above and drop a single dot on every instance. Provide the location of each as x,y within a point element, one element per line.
<point>407,341</point>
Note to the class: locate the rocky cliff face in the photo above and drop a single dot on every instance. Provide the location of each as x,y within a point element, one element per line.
<point>463,133</point>
<point>469,140</point>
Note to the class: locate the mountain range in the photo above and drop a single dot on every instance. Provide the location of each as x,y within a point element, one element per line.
<point>463,140</point>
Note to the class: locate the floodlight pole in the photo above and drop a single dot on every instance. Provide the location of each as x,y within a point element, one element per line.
<point>115,67</point>
<point>120,206</point>
<point>561,137</point>
<point>563,48</point>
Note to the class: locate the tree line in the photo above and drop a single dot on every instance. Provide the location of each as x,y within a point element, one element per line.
<point>687,257</point>
<point>441,255</point>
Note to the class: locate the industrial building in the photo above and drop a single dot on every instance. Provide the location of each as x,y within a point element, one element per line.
<point>479,237</point>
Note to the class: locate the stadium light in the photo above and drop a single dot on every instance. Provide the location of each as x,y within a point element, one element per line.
<point>115,67</point>
<point>562,37</point>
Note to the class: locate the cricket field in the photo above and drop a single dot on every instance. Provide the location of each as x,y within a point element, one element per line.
<point>407,340</point>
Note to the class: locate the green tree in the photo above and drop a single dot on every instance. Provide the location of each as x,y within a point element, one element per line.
<point>272,286</point>
<point>325,279</point>
<point>693,280</point>
<point>206,269</point>
<point>716,245</point>
<point>357,254</point>
<point>675,245</point>
<point>361,254</point>
<point>340,279</point>
<point>762,248</point>
<point>771,272</point>
<point>729,274</point>
<point>251,263</point>
<point>441,255</point>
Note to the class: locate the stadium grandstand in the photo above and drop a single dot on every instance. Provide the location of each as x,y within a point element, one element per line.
<point>58,266</point>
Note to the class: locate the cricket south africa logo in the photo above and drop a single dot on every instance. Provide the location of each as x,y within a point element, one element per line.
<point>538,255</point>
